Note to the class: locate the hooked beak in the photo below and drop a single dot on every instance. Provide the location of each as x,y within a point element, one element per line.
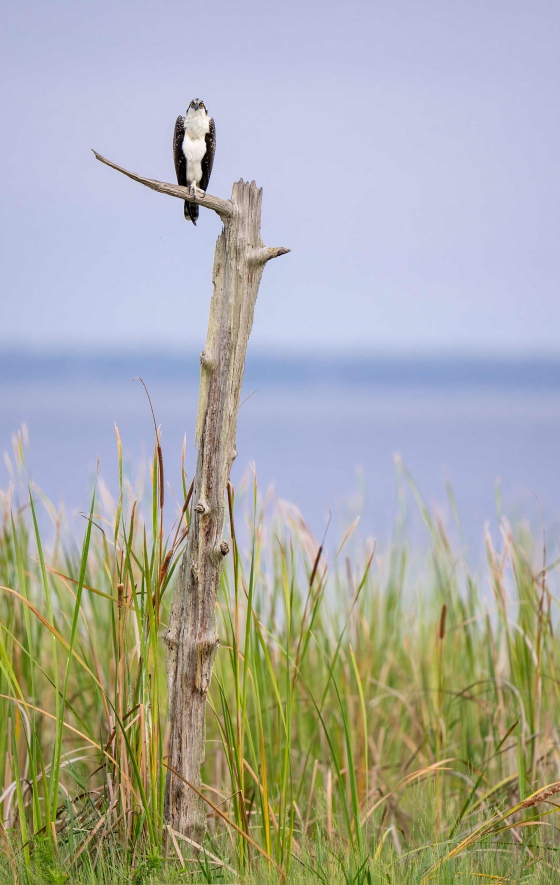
<point>196,105</point>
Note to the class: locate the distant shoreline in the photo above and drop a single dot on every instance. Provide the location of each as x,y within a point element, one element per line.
<point>21,367</point>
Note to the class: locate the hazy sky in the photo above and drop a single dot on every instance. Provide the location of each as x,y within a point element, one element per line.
<point>409,152</point>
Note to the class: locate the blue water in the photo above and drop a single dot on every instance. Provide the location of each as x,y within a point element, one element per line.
<point>324,432</point>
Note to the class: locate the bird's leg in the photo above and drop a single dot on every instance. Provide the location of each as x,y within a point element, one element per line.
<point>193,188</point>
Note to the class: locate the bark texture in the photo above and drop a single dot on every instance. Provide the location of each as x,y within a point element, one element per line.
<point>222,207</point>
<point>192,639</point>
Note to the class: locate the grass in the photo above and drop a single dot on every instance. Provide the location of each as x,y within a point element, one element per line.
<point>368,722</point>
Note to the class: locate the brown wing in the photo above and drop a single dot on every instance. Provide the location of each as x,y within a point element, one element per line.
<point>178,155</point>
<point>208,158</point>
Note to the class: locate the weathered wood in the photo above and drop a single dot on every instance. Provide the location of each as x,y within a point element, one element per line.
<point>222,207</point>
<point>192,638</point>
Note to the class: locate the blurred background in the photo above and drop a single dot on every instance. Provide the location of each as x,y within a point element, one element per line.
<point>409,158</point>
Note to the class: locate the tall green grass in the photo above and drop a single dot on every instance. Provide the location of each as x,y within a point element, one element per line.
<point>368,721</point>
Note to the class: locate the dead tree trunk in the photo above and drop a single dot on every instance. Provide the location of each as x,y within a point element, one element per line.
<point>192,639</point>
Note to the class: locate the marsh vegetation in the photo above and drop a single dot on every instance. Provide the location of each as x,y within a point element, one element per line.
<point>370,720</point>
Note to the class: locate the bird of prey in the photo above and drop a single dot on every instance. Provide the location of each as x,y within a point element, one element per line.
<point>194,145</point>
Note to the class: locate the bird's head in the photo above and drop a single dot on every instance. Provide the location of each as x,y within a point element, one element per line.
<point>196,105</point>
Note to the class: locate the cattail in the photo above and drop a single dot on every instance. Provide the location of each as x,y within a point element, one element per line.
<point>165,567</point>
<point>442,622</point>
<point>188,499</point>
<point>315,566</point>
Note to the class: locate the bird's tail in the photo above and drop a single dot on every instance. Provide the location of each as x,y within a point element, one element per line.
<point>191,211</point>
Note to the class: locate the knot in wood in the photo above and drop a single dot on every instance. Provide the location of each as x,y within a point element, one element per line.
<point>206,362</point>
<point>170,639</point>
<point>206,649</point>
<point>224,548</point>
<point>202,508</point>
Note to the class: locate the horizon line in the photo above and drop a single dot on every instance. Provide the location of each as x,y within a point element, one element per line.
<point>274,353</point>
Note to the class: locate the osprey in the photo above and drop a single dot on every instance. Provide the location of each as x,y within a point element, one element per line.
<point>194,145</point>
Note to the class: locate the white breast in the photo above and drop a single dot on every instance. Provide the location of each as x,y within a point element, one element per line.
<point>197,125</point>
